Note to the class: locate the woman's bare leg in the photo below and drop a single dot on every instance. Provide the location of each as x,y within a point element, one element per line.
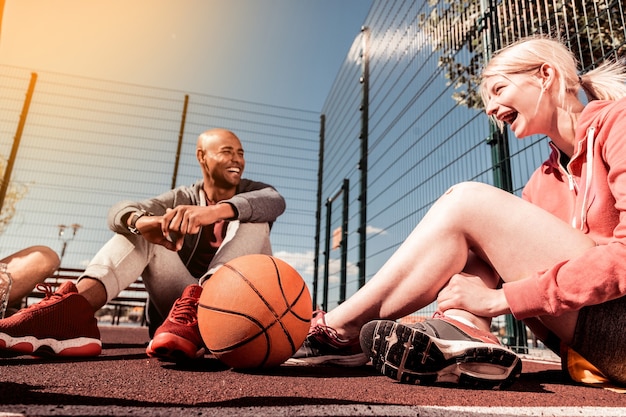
<point>513,236</point>
<point>29,267</point>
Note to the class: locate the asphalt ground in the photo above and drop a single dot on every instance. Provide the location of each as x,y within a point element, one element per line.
<point>123,381</point>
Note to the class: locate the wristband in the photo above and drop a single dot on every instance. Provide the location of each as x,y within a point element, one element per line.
<point>133,221</point>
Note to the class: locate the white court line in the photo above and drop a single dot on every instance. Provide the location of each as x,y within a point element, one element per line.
<point>532,411</point>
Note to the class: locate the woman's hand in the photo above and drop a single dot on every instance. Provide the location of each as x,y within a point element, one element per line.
<point>469,292</point>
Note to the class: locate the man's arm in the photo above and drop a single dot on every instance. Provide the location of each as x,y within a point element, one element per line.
<point>119,214</point>
<point>257,205</point>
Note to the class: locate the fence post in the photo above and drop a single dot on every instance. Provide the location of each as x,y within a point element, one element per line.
<point>343,244</point>
<point>344,240</point>
<point>364,152</point>
<point>501,159</point>
<point>318,211</point>
<point>180,141</point>
<point>17,139</point>
<point>329,204</point>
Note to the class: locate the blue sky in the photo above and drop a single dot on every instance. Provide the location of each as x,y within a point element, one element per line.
<point>278,52</point>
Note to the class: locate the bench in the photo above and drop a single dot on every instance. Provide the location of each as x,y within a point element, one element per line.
<point>133,297</point>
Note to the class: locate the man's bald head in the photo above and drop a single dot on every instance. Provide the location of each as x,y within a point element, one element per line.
<point>211,137</point>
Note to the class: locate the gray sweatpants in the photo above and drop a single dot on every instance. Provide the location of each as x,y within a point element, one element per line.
<point>124,258</point>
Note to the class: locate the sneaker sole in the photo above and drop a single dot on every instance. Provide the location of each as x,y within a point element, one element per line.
<point>172,348</point>
<point>359,359</point>
<point>410,356</point>
<point>30,345</point>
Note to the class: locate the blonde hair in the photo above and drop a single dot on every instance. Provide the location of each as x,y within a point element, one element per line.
<point>607,82</point>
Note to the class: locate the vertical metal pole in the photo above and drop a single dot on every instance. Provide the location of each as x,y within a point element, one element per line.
<point>365,33</point>
<point>344,240</point>
<point>329,210</point>
<point>1,13</point>
<point>318,211</point>
<point>180,141</point>
<point>16,141</point>
<point>501,158</point>
<point>498,140</point>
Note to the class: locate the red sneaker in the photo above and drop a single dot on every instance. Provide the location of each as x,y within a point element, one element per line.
<point>178,338</point>
<point>323,346</point>
<point>62,324</point>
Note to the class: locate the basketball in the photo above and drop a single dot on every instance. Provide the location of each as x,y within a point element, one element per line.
<point>254,312</point>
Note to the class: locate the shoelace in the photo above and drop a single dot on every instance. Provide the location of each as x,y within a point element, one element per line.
<point>50,296</point>
<point>185,310</point>
<point>328,333</point>
<point>49,291</point>
<point>437,315</point>
<point>316,314</point>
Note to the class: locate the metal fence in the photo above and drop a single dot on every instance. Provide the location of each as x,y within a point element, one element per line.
<point>88,143</point>
<point>410,79</point>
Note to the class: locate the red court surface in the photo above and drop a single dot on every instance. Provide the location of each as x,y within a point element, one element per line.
<point>124,381</point>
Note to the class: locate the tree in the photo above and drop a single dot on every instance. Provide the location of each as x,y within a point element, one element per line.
<point>15,192</point>
<point>466,33</point>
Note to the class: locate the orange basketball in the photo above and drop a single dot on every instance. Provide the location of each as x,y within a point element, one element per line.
<point>254,312</point>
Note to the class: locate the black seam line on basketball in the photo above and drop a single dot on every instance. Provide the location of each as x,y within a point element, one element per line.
<point>267,304</point>
<point>245,341</point>
<point>276,316</point>
<point>295,301</point>
<point>289,309</point>
<point>282,293</point>
<point>263,330</point>
<point>238,313</point>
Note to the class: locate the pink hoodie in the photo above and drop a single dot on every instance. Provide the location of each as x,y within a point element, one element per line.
<point>593,199</point>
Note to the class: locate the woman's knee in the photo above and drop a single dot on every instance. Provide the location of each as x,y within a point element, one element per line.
<point>50,259</point>
<point>466,189</point>
<point>465,198</point>
<point>39,257</point>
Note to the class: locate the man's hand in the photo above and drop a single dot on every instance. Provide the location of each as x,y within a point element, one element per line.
<point>188,220</point>
<point>151,230</point>
<point>469,293</point>
<point>170,229</point>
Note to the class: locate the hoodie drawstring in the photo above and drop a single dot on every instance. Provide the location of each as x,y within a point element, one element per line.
<point>583,213</point>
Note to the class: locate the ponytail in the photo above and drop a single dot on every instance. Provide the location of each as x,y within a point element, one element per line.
<point>607,82</point>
